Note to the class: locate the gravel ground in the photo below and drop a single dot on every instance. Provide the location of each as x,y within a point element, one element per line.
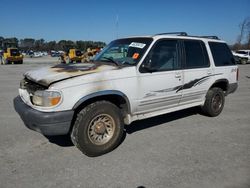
<point>182,149</point>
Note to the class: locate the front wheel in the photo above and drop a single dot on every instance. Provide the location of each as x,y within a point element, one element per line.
<point>5,61</point>
<point>214,102</point>
<point>98,128</point>
<point>243,61</point>
<point>19,62</point>
<point>68,60</point>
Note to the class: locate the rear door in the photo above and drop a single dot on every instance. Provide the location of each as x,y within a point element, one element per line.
<point>197,72</point>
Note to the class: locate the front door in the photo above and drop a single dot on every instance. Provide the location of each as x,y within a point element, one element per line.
<point>160,78</point>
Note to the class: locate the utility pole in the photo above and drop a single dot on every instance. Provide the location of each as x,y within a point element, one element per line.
<point>116,26</point>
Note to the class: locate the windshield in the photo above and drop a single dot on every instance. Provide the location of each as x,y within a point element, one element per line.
<point>14,52</point>
<point>124,51</point>
<point>78,53</point>
<point>241,52</point>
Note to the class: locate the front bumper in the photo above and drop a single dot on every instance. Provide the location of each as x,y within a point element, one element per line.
<point>46,123</point>
<point>14,59</point>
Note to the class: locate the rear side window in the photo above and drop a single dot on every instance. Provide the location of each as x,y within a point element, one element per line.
<point>196,54</point>
<point>221,54</point>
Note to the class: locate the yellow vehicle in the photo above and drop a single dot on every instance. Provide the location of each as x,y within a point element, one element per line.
<point>12,55</point>
<point>73,55</point>
<point>90,54</point>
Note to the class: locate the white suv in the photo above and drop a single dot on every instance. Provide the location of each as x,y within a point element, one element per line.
<point>243,56</point>
<point>131,79</point>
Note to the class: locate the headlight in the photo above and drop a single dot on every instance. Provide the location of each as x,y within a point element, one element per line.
<point>46,98</point>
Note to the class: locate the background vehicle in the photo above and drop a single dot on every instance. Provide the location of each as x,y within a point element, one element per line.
<point>30,53</point>
<point>72,55</point>
<point>38,54</point>
<point>54,53</point>
<point>90,54</point>
<point>243,56</point>
<point>12,55</point>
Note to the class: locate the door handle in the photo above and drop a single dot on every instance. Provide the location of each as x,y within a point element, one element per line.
<point>209,72</point>
<point>178,75</point>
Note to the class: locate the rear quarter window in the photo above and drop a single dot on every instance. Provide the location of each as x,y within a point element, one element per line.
<point>221,54</point>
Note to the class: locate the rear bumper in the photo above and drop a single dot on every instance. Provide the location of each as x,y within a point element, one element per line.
<point>46,123</point>
<point>232,88</point>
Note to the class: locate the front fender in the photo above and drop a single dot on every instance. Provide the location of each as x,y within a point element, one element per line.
<point>103,93</point>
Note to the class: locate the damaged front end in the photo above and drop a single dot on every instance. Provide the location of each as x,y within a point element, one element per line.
<point>38,95</point>
<point>32,96</point>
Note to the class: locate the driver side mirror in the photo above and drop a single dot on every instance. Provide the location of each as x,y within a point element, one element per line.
<point>146,66</point>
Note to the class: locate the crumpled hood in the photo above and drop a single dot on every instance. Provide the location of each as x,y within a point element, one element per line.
<point>48,75</point>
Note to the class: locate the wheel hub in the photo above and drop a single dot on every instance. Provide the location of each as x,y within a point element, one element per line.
<point>101,129</point>
<point>217,103</point>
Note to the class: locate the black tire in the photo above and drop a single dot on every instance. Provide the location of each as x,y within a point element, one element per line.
<point>88,132</point>
<point>243,61</point>
<point>19,62</point>
<point>214,102</point>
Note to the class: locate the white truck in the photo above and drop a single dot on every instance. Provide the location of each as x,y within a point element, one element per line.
<point>130,79</point>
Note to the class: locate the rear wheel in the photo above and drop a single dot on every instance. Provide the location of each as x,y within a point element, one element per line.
<point>19,62</point>
<point>67,60</point>
<point>98,128</point>
<point>214,102</point>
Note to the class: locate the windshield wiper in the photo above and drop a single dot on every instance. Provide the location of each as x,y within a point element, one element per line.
<point>111,60</point>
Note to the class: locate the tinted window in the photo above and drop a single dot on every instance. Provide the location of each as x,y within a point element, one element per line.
<point>196,54</point>
<point>221,54</point>
<point>164,56</point>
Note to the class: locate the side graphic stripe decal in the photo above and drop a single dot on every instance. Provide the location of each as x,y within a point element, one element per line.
<point>188,85</point>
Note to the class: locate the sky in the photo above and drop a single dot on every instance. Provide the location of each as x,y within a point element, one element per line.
<point>108,19</point>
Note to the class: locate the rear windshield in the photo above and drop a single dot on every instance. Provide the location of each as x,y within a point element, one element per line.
<point>222,55</point>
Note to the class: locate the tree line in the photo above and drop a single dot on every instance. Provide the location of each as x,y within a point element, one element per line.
<point>27,44</point>
<point>243,40</point>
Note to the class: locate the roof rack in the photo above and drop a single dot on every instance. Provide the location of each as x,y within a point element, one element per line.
<point>174,33</point>
<point>210,37</point>
<point>185,34</point>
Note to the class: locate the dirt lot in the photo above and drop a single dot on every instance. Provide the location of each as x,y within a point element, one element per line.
<point>182,149</point>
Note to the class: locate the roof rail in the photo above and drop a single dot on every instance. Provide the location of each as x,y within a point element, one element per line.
<point>185,34</point>
<point>174,33</point>
<point>210,37</point>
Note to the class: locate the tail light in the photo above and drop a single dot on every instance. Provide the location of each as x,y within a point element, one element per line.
<point>237,74</point>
